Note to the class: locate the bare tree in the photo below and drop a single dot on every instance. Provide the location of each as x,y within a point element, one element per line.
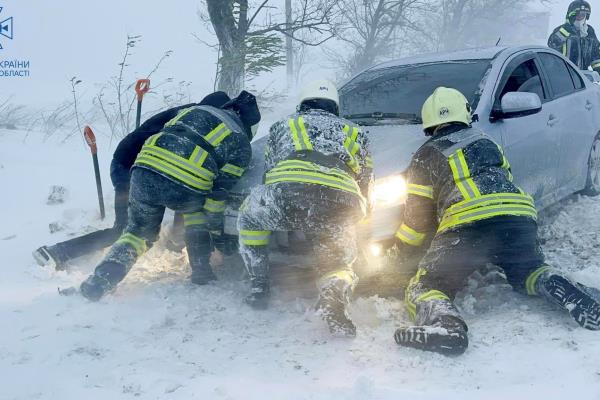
<point>250,35</point>
<point>369,31</point>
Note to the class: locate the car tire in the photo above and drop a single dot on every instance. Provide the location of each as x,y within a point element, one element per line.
<point>592,186</point>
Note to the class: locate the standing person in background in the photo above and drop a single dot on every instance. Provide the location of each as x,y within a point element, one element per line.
<point>577,40</point>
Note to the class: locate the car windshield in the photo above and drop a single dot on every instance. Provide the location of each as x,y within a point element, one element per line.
<point>395,95</point>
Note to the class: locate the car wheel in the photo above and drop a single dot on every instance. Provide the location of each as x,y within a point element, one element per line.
<point>592,187</point>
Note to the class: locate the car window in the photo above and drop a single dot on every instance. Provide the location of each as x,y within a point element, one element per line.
<point>525,78</point>
<point>399,92</point>
<point>558,74</point>
<point>577,81</point>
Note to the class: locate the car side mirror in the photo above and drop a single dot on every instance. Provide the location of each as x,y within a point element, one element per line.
<point>519,104</point>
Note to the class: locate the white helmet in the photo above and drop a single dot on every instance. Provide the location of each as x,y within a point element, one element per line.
<point>319,89</point>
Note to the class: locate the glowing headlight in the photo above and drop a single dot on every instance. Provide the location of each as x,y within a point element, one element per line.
<point>376,249</point>
<point>389,191</point>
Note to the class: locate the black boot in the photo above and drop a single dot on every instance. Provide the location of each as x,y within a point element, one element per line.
<point>582,302</point>
<point>94,287</point>
<point>260,292</point>
<point>105,279</point>
<point>447,336</point>
<point>49,256</point>
<point>332,308</point>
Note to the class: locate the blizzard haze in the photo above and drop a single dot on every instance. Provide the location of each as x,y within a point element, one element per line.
<point>69,38</point>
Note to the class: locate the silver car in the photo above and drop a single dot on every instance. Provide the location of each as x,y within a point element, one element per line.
<point>537,104</point>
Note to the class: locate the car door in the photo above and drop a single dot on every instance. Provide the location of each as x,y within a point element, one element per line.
<point>575,120</point>
<point>532,142</point>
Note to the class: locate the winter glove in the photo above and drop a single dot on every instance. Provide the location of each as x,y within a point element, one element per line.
<point>226,244</point>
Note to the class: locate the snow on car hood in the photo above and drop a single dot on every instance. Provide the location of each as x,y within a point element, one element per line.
<point>392,147</point>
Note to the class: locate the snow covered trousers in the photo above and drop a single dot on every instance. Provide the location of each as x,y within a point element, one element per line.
<point>508,242</point>
<point>327,216</point>
<point>150,194</point>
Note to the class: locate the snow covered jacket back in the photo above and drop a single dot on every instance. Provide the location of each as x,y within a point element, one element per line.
<point>458,177</point>
<point>337,146</point>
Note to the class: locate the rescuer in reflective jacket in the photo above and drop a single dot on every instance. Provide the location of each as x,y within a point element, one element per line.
<point>188,166</point>
<point>463,204</point>
<point>575,39</point>
<point>317,181</point>
<point>59,254</point>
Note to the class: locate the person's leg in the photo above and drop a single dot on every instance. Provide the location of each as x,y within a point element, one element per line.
<point>336,251</point>
<point>199,246</point>
<point>142,230</point>
<point>523,261</point>
<point>61,253</point>
<point>439,327</point>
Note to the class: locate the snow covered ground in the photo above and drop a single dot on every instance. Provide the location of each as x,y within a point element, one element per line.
<point>158,337</point>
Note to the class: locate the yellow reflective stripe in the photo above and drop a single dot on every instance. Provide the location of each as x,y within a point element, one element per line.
<point>481,213</point>
<point>414,281</point>
<point>532,280</point>
<point>344,275</point>
<point>152,139</point>
<point>177,161</point>
<point>138,244</point>
<point>489,199</point>
<point>312,177</point>
<point>180,114</point>
<point>308,166</point>
<point>369,162</point>
<point>432,295</point>
<point>420,190</point>
<point>198,156</point>
<point>217,135</point>
<point>197,218</point>
<point>214,206</point>
<point>180,175</point>
<point>352,132</point>
<point>505,164</point>
<point>351,146</point>
<point>564,32</point>
<point>409,236</point>
<point>595,64</point>
<point>295,138</point>
<point>304,133</point>
<point>255,238</point>
<point>462,175</point>
<point>233,170</point>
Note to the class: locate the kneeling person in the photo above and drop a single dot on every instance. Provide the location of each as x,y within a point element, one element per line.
<point>463,200</point>
<point>318,174</point>
<point>188,167</point>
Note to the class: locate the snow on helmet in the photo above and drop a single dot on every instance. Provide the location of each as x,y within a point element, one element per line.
<point>444,106</point>
<point>577,6</point>
<point>321,89</point>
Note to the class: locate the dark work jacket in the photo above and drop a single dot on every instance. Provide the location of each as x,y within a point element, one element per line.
<point>582,51</point>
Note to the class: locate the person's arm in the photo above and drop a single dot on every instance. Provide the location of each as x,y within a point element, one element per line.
<point>419,214</point>
<point>365,177</point>
<point>596,51</point>
<point>128,148</point>
<point>558,40</point>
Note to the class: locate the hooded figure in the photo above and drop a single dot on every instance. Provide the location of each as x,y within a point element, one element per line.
<point>188,166</point>
<point>577,40</point>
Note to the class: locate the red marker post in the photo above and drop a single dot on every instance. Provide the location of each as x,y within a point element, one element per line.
<point>142,86</point>
<point>90,138</point>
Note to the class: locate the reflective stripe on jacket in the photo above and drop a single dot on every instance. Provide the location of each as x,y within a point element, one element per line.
<point>458,177</point>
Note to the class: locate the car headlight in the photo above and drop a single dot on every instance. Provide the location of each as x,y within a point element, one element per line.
<point>389,191</point>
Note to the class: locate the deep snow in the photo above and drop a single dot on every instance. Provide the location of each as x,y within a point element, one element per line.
<point>160,337</point>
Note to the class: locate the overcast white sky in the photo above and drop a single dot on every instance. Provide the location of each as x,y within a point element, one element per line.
<point>63,38</point>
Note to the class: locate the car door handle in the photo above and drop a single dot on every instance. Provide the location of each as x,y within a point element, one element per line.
<point>552,120</point>
<point>589,105</point>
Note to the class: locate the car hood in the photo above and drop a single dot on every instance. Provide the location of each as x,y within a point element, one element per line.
<point>392,147</point>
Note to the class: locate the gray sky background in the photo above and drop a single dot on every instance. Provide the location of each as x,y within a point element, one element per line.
<point>63,38</point>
